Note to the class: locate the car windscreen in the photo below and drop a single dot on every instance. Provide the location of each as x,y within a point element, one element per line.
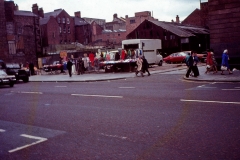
<point>2,73</point>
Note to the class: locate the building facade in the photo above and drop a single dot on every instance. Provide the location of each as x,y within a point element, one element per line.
<point>224,25</point>
<point>22,34</point>
<point>175,36</point>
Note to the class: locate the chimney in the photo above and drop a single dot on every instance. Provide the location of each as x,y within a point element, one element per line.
<point>177,19</point>
<point>126,16</point>
<point>115,16</point>
<point>35,9</point>
<point>77,14</point>
<point>16,7</point>
<point>41,12</point>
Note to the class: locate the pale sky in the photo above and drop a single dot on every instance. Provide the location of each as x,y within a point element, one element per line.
<point>163,10</point>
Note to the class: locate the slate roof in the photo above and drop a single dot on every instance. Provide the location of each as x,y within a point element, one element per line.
<point>172,28</point>
<point>24,13</point>
<point>44,20</point>
<point>80,21</point>
<point>55,13</point>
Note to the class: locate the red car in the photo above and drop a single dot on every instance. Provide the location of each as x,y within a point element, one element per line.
<point>178,57</point>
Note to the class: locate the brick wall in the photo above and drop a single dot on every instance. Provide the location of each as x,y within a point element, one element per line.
<point>3,33</point>
<point>224,24</point>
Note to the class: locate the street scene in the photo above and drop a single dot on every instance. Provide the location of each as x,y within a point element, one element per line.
<point>120,80</point>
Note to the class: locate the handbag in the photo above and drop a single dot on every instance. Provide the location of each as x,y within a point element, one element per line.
<point>223,68</point>
<point>208,66</point>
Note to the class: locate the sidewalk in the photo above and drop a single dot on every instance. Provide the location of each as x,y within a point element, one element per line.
<point>166,68</point>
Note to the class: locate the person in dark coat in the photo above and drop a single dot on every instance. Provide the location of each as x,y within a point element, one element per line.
<point>31,68</point>
<point>69,67</point>
<point>195,62</point>
<point>80,66</point>
<point>190,65</point>
<point>145,65</point>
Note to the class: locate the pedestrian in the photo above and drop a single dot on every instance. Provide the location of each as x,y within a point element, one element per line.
<point>145,65</point>
<point>214,62</point>
<point>139,66</point>
<point>31,68</point>
<point>96,64</point>
<point>190,65</point>
<point>186,59</point>
<point>80,66</point>
<point>209,62</point>
<point>195,62</point>
<point>69,67</point>
<point>225,65</point>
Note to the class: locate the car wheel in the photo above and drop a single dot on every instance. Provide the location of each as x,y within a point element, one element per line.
<point>25,80</point>
<point>11,84</point>
<point>160,63</point>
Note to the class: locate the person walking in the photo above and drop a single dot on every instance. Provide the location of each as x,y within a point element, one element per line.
<point>69,67</point>
<point>209,62</point>
<point>139,64</point>
<point>80,66</point>
<point>214,63</point>
<point>145,65</point>
<point>190,65</point>
<point>225,59</point>
<point>195,62</point>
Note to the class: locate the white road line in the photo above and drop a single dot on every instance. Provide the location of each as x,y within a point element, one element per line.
<point>84,95</point>
<point>113,136</point>
<point>201,101</point>
<point>28,145</point>
<point>126,87</point>
<point>237,87</point>
<point>231,89</point>
<point>28,92</point>
<point>60,86</point>
<point>2,130</point>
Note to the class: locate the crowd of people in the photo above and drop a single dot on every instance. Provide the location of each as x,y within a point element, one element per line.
<point>211,63</point>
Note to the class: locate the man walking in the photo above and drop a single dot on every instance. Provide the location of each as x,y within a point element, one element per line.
<point>145,66</point>
<point>190,65</point>
<point>69,67</point>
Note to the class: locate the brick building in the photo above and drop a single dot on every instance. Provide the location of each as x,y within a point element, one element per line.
<point>224,25</point>
<point>175,36</point>
<point>199,17</point>
<point>3,32</point>
<point>22,34</point>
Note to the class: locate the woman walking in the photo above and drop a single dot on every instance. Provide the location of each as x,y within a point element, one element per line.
<point>225,64</point>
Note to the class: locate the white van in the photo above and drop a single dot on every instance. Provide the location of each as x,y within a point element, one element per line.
<point>148,47</point>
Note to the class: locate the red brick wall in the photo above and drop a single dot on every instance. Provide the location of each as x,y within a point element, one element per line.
<point>224,24</point>
<point>3,33</point>
<point>83,34</point>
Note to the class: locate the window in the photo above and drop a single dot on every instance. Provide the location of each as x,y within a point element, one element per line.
<point>68,21</point>
<point>64,29</point>
<point>11,47</point>
<point>60,29</point>
<point>63,20</point>
<point>69,29</point>
<point>53,34</point>
<point>59,20</point>
<point>132,21</point>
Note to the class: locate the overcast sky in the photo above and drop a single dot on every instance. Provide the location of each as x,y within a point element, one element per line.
<point>163,10</point>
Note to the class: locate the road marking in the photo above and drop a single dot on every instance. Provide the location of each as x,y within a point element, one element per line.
<point>201,101</point>
<point>28,92</point>
<point>2,130</point>
<point>231,89</point>
<point>85,95</point>
<point>126,87</point>
<point>28,145</point>
<point>60,86</point>
<point>113,136</point>
<point>237,87</point>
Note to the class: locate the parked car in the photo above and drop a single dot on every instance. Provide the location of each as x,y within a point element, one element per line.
<point>178,57</point>
<point>56,66</point>
<point>16,70</point>
<point>6,79</point>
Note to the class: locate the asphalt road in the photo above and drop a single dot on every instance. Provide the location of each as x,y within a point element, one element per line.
<point>155,117</point>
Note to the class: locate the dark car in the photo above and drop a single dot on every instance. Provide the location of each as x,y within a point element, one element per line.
<point>15,69</point>
<point>6,79</point>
